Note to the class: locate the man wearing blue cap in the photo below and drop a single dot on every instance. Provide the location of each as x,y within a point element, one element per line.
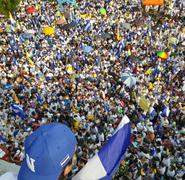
<point>49,153</point>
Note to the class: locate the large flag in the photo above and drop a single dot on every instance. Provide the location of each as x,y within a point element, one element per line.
<point>105,163</point>
<point>18,111</point>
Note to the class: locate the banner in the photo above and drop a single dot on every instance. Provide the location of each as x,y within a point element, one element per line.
<point>153,2</point>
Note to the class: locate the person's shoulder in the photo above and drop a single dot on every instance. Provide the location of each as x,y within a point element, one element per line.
<point>9,176</point>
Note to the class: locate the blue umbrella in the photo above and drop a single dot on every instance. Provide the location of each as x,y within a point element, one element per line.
<point>128,79</point>
<point>27,35</point>
<point>87,49</point>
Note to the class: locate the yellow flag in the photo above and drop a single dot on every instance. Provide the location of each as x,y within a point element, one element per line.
<point>69,69</point>
<point>111,3</point>
<point>29,59</point>
<point>146,40</point>
<point>73,108</point>
<point>94,75</point>
<point>15,98</point>
<point>150,87</point>
<point>76,125</point>
<point>45,105</point>
<point>142,172</point>
<point>83,16</point>
<point>91,117</point>
<point>147,71</point>
<point>48,30</point>
<point>118,35</point>
<point>123,163</point>
<point>11,18</point>
<point>157,78</point>
<point>183,30</point>
<point>155,171</point>
<point>58,13</point>
<point>133,93</point>
<point>129,52</point>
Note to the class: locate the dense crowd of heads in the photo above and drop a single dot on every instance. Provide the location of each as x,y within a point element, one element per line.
<point>54,78</point>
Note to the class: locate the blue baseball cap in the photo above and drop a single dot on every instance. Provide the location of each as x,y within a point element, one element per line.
<point>47,151</point>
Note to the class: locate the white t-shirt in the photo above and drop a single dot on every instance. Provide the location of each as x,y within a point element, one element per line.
<point>9,176</point>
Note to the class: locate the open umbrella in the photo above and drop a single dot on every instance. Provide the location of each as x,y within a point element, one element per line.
<point>61,21</point>
<point>103,11</point>
<point>104,35</point>
<point>30,10</point>
<point>69,25</point>
<point>27,35</point>
<point>128,79</point>
<point>162,54</point>
<point>87,49</point>
<point>48,30</point>
<point>126,25</point>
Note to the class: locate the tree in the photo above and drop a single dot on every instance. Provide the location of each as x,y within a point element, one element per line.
<point>8,6</point>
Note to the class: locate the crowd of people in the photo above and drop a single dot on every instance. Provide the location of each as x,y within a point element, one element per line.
<point>74,76</point>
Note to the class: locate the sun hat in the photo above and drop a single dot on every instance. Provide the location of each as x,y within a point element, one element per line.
<point>47,151</point>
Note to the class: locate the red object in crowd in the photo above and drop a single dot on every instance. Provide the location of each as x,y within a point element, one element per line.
<point>4,153</point>
<point>30,10</point>
<point>135,71</point>
<point>177,92</point>
<point>122,103</point>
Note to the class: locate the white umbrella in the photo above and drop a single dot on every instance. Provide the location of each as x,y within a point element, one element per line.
<point>128,79</point>
<point>126,25</point>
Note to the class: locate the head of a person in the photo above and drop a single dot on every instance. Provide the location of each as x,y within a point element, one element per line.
<point>49,153</point>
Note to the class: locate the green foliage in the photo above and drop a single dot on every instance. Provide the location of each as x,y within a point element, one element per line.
<point>7,6</point>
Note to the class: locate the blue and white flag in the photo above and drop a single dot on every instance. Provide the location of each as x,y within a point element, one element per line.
<point>107,107</point>
<point>156,71</point>
<point>39,99</point>
<point>153,113</point>
<point>165,112</point>
<point>89,25</point>
<point>105,163</point>
<point>18,111</point>
<point>121,45</point>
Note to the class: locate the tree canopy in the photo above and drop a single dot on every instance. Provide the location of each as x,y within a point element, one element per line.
<point>7,6</point>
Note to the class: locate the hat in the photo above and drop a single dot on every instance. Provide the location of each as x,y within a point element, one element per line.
<point>47,151</point>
